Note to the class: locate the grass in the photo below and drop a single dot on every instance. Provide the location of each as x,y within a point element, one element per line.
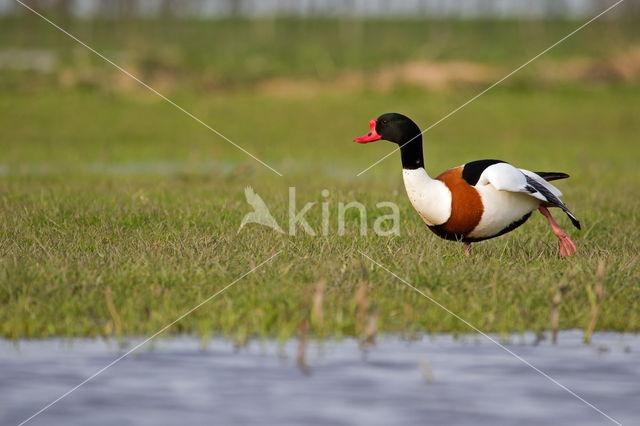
<point>119,213</point>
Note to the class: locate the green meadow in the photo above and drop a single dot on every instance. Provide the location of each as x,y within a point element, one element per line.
<point>119,213</point>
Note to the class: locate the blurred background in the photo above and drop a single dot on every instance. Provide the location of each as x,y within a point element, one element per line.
<point>310,8</point>
<point>103,184</point>
<point>249,67</point>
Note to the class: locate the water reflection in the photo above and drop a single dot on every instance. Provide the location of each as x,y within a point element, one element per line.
<point>433,380</point>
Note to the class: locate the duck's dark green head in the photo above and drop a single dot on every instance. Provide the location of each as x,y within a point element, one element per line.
<point>392,127</point>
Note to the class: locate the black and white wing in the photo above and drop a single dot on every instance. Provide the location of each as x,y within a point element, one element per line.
<point>505,177</point>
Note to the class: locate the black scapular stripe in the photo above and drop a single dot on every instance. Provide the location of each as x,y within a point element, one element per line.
<point>471,171</point>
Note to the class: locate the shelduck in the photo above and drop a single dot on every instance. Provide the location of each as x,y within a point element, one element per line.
<point>476,201</point>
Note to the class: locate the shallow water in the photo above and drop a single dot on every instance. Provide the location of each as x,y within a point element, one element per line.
<point>433,380</point>
<point>363,8</point>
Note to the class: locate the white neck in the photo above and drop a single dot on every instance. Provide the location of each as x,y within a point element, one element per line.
<point>430,197</point>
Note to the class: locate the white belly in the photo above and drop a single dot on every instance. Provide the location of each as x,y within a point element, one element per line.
<point>501,209</point>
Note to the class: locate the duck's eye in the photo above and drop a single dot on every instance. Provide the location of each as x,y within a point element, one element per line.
<point>385,122</point>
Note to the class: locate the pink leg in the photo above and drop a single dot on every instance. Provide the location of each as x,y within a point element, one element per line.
<point>567,246</point>
<point>467,249</point>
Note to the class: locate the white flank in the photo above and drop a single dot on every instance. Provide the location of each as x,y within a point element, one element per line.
<point>501,209</point>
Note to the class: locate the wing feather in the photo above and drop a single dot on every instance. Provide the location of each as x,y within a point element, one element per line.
<point>555,191</point>
<point>505,177</point>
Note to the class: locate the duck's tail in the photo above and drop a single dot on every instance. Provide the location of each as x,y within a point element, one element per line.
<point>549,176</point>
